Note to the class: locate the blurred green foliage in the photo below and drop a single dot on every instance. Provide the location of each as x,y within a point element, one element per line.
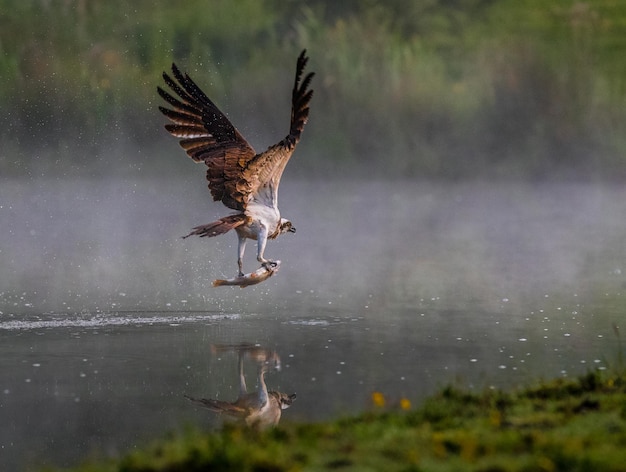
<point>434,88</point>
<point>562,425</point>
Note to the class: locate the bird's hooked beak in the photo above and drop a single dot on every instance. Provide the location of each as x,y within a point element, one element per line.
<point>286,400</point>
<point>286,226</point>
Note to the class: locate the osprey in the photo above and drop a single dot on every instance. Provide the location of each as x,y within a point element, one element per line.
<point>238,177</point>
<point>260,409</point>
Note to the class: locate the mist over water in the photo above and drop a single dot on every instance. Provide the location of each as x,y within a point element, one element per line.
<point>107,316</point>
<point>85,245</point>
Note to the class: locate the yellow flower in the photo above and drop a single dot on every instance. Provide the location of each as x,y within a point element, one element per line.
<point>378,399</point>
<point>405,404</point>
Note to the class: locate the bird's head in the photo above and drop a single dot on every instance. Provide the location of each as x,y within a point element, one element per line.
<point>286,400</point>
<point>286,226</point>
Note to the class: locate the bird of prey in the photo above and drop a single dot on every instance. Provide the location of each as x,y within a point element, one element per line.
<point>260,409</point>
<point>240,178</point>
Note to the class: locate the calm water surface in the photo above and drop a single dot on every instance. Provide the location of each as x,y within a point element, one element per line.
<point>107,317</point>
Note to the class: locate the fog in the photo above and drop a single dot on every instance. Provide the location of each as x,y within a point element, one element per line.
<point>77,245</point>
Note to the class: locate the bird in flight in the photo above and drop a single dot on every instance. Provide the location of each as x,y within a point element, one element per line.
<point>240,178</point>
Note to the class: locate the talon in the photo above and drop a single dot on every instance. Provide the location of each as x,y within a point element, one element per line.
<point>269,265</point>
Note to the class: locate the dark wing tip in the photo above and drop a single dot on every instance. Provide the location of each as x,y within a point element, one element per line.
<point>302,59</point>
<point>301,96</point>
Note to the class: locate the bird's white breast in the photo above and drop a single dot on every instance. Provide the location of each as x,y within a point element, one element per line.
<point>261,216</point>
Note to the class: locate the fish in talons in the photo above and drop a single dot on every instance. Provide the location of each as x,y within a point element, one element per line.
<point>260,275</point>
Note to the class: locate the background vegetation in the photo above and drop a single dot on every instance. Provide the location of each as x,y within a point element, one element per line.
<point>564,425</point>
<point>434,88</point>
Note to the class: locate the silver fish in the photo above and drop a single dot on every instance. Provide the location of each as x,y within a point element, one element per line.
<point>253,278</point>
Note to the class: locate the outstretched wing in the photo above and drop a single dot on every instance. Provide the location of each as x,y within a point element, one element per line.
<point>219,406</point>
<point>207,136</point>
<point>262,174</point>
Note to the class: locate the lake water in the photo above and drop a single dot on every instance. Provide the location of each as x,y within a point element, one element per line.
<point>108,317</point>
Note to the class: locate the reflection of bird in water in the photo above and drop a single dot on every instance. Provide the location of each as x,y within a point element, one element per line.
<point>252,351</point>
<point>240,178</point>
<point>259,409</point>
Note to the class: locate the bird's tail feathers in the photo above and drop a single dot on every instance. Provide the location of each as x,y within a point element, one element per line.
<point>221,226</point>
<point>216,406</point>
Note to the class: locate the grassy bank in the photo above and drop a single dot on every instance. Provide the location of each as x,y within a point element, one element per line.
<point>563,425</point>
<point>521,88</point>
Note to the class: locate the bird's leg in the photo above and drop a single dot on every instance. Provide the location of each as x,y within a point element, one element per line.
<point>262,388</point>
<point>242,379</point>
<point>240,250</point>
<point>261,242</point>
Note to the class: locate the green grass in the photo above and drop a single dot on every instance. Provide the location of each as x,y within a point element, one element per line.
<point>563,425</point>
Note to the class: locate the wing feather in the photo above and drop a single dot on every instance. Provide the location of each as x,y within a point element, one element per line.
<point>207,136</point>
<point>235,172</point>
<point>267,168</point>
<point>219,406</point>
<point>181,118</point>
